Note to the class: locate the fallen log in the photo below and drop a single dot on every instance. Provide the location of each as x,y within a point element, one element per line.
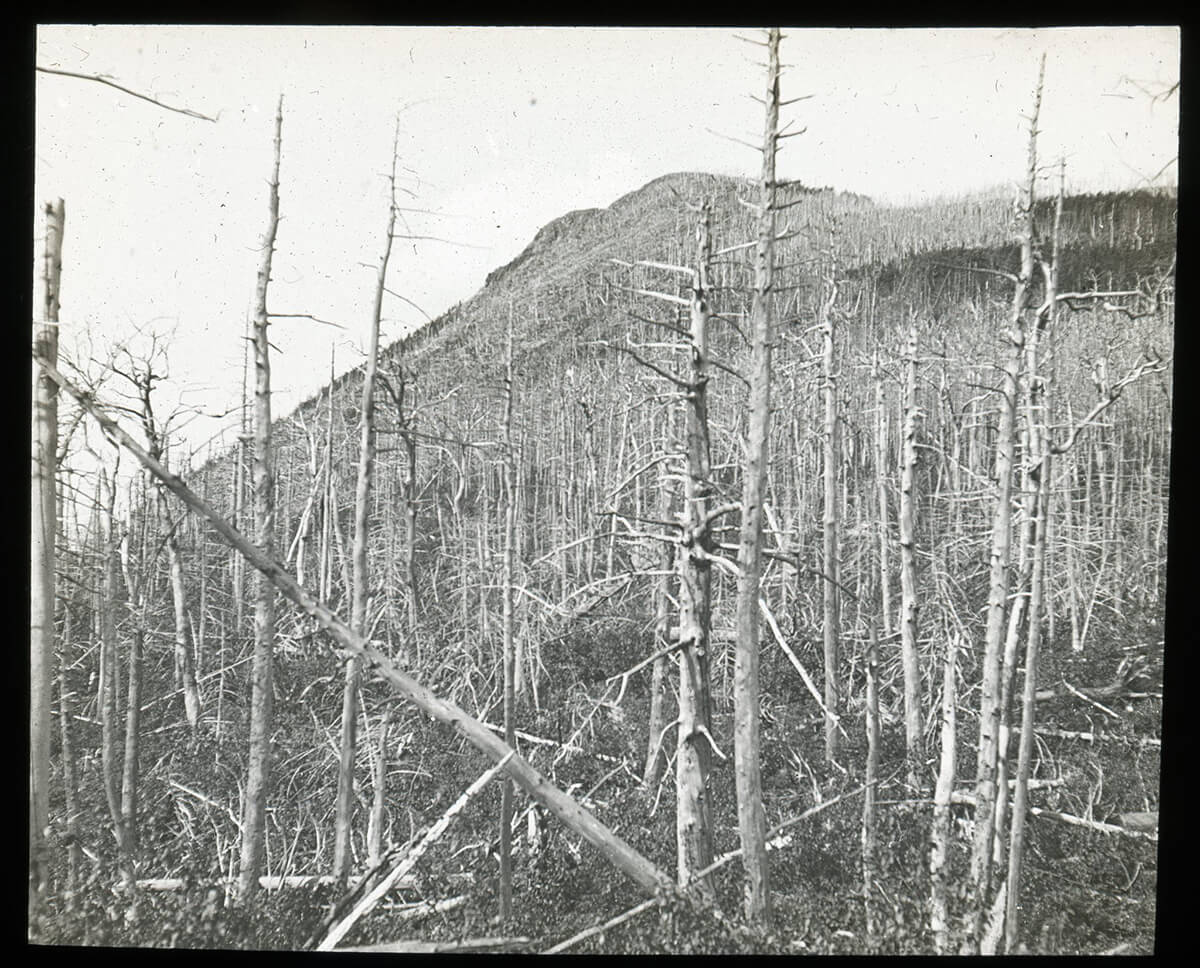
<point>601,928</point>
<point>414,947</point>
<point>338,931</point>
<point>572,814</point>
<point>1118,689</point>
<point>269,883</point>
<point>420,909</point>
<point>968,799</point>
<point>1144,820</point>
<point>1091,737</point>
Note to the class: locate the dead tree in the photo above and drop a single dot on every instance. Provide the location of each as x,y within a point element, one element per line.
<point>881,465</point>
<point>262,674</point>
<point>1000,556</point>
<point>746,726</point>
<point>42,528</point>
<point>569,811</point>
<point>939,916</point>
<point>914,729</point>
<point>510,736</point>
<point>360,576</point>
<point>830,599</point>
<point>142,375</point>
<point>693,757</point>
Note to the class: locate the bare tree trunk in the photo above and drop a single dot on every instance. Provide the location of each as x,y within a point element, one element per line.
<point>914,729</point>
<point>378,791</point>
<point>881,464</point>
<point>1028,708</point>
<point>70,776</point>
<point>510,736</point>
<point>185,668</point>
<point>109,673</point>
<point>405,423</point>
<point>258,769</point>
<point>1032,436</point>
<point>830,598</point>
<point>746,728</point>
<point>939,919</point>
<point>656,757</point>
<point>42,529</point>
<point>237,566</point>
<point>410,536</point>
<point>870,868</point>
<point>329,511</point>
<point>989,709</point>
<point>129,776</point>
<point>1039,477</point>
<point>693,819</point>
<point>133,712</point>
<point>344,814</point>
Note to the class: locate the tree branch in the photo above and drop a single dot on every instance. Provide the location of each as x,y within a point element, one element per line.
<point>99,79</point>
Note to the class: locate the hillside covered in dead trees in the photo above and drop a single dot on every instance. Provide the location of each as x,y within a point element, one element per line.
<point>746,567</point>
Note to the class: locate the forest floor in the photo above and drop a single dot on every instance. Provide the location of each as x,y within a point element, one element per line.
<point>1084,891</point>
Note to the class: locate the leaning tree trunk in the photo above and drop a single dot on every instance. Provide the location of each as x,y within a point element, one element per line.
<point>42,528</point>
<point>262,670</point>
<point>746,729</point>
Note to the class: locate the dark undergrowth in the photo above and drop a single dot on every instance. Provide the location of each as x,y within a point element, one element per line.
<point>1084,891</point>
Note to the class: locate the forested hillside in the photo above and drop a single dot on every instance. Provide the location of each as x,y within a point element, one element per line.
<point>552,539</point>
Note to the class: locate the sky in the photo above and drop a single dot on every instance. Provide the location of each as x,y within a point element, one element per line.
<point>500,130</point>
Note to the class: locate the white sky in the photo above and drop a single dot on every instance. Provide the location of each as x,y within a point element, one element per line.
<point>505,129</point>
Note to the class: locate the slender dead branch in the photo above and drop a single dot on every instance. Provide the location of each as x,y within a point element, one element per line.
<point>100,79</point>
